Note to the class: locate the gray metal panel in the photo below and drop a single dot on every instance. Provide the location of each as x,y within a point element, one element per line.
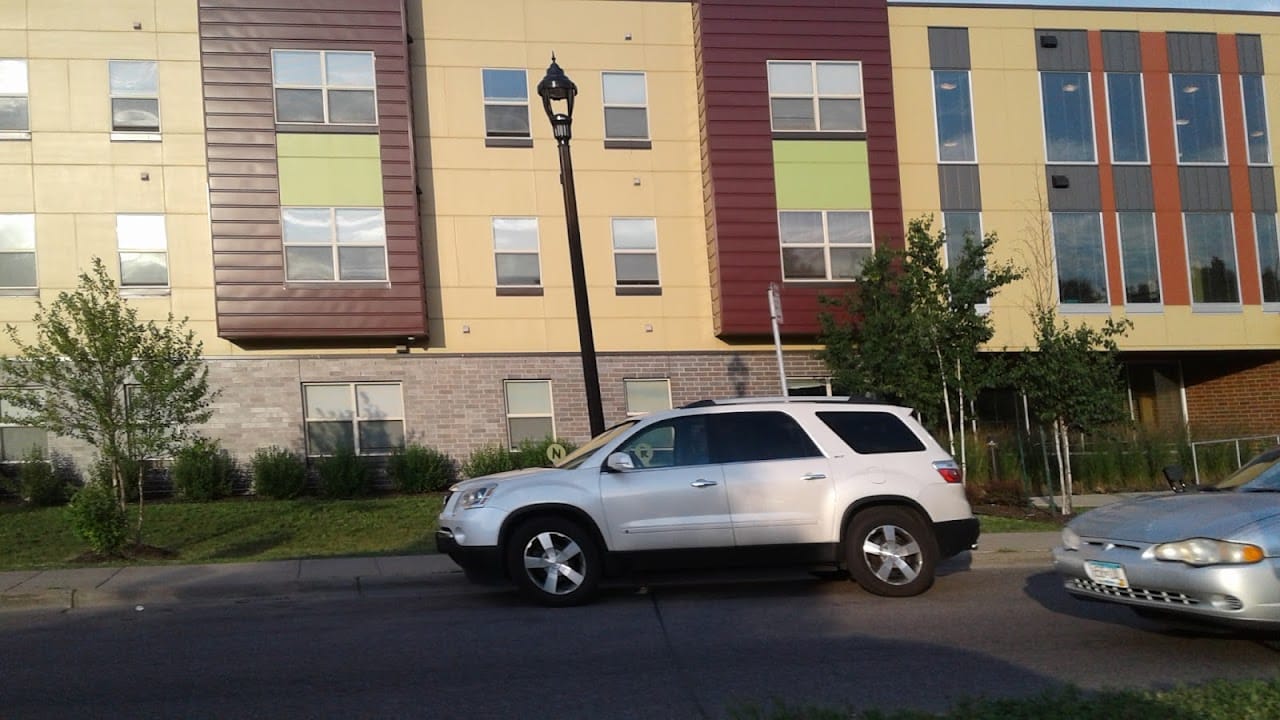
<point>1133,187</point>
<point>1083,191</point>
<point>1193,52</point>
<point>959,187</point>
<point>1249,48</point>
<point>1205,188</point>
<point>1072,52</point>
<point>1262,188</point>
<point>1120,51</point>
<point>949,48</point>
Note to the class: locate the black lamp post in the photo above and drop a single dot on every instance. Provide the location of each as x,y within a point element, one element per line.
<point>557,87</point>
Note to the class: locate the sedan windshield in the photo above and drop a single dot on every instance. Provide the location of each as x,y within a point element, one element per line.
<point>582,454</point>
<point>1261,474</point>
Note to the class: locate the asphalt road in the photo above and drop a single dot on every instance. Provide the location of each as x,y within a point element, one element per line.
<point>687,650</point>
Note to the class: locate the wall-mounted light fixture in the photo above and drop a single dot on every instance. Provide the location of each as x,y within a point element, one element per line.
<point>1048,41</point>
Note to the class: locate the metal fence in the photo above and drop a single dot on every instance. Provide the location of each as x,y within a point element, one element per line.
<point>1242,448</point>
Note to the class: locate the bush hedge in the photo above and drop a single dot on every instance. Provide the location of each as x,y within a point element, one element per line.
<point>98,519</point>
<point>416,469</point>
<point>278,473</point>
<point>343,475</point>
<point>202,471</point>
<point>39,482</point>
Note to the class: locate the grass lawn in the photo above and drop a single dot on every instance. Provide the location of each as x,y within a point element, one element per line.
<point>992,524</point>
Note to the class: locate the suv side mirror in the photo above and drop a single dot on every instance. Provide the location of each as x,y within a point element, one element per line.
<point>619,462</point>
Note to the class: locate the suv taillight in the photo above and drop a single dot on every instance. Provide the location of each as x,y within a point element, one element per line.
<point>949,470</point>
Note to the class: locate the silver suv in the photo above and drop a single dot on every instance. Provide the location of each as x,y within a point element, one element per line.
<point>751,481</point>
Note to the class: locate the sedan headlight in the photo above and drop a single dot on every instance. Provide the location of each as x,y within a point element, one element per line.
<point>1204,551</point>
<point>475,497</point>
<point>1070,539</point>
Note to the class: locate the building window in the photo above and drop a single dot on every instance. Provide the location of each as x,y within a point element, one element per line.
<point>1078,253</point>
<point>334,244</point>
<point>327,87</point>
<point>1255,119</point>
<point>646,396</point>
<point>14,110</point>
<point>808,387</point>
<point>144,250</point>
<point>18,251</point>
<point>816,96</point>
<point>626,113</point>
<point>529,416</point>
<point>506,103</point>
<point>1138,258</point>
<point>1197,119</point>
<point>635,251</point>
<point>515,252</point>
<point>17,440</point>
<point>824,244</point>
<point>1128,118</point>
<point>1068,117</point>
<point>135,96</point>
<point>1264,225</point>
<point>953,107</point>
<point>960,228</point>
<point>365,418</point>
<point>1211,258</point>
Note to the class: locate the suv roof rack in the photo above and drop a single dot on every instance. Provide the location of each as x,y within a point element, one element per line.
<point>712,402</point>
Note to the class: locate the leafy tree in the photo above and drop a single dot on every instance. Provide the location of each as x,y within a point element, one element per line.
<point>911,329</point>
<point>97,373</point>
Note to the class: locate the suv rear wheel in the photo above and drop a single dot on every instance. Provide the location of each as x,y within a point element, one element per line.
<point>890,551</point>
<point>554,561</point>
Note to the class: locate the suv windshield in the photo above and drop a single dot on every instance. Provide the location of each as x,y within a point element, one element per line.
<point>579,456</point>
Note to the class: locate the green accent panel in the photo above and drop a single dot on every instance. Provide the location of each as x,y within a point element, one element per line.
<point>329,170</point>
<point>821,175</point>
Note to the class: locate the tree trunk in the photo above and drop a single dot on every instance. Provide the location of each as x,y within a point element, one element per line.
<point>141,472</point>
<point>1062,442</point>
<point>946,405</point>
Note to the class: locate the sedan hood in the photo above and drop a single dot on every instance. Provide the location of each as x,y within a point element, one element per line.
<point>1167,518</point>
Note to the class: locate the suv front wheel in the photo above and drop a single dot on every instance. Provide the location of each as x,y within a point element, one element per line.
<point>554,561</point>
<point>890,551</point>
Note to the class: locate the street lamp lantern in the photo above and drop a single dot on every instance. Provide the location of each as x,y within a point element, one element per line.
<point>556,87</point>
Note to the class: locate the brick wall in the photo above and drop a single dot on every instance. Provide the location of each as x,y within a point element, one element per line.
<point>1230,395</point>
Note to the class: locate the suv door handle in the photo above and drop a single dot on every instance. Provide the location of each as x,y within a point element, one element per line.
<point>814,476</point>
<point>703,483</point>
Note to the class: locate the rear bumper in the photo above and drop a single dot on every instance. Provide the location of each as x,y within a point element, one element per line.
<point>956,536</point>
<point>482,563</point>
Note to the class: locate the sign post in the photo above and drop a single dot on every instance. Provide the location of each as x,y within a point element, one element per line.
<point>775,315</point>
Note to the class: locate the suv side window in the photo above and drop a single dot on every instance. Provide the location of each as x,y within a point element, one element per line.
<point>671,443</point>
<point>756,436</point>
<point>870,433</point>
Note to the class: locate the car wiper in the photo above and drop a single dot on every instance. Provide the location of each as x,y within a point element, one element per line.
<point>1260,490</point>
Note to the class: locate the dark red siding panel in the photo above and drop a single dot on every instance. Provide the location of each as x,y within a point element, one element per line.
<point>734,39</point>
<point>253,299</point>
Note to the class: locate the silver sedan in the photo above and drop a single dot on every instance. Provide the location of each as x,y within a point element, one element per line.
<point>1211,554</point>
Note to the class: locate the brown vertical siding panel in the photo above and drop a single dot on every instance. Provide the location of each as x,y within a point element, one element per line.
<point>734,41</point>
<point>1174,283</point>
<point>1106,179</point>
<point>1238,159</point>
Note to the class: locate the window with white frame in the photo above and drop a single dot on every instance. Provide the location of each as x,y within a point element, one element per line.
<point>816,96</point>
<point>515,252</point>
<point>824,244</point>
<point>1068,117</point>
<point>647,395</point>
<point>18,251</point>
<point>365,418</point>
<point>135,96</point>
<point>808,387</point>
<point>635,251</point>
<point>1211,258</point>
<point>626,111</point>
<point>334,244</point>
<point>529,414</point>
<point>1255,119</point>
<point>1139,258</point>
<point>1127,112</point>
<point>14,101</point>
<point>1197,119</point>
<point>1079,257</point>
<point>506,103</point>
<point>953,111</point>
<point>324,87</point>
<point>960,229</point>
<point>1264,225</point>
<point>17,439</point>
<point>144,250</point>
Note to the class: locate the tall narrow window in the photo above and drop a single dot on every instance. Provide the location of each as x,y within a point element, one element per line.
<point>1139,259</point>
<point>18,252</point>
<point>1068,117</point>
<point>816,96</point>
<point>824,245</point>
<point>327,244</point>
<point>1128,118</point>
<point>135,96</point>
<point>529,415</point>
<point>324,87</point>
<point>14,111</point>
<point>635,251</point>
<point>1197,119</point>
<point>1211,258</point>
<point>1255,119</point>
<point>1264,225</point>
<point>954,107</point>
<point>144,250</point>
<point>626,112</point>
<point>515,248</point>
<point>960,227</point>
<point>364,418</point>
<point>506,103</point>
<point>646,396</point>
<point>1078,253</point>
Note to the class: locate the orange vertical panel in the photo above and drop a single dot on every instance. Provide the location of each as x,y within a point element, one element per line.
<point>1106,178</point>
<point>1174,283</point>
<point>1238,157</point>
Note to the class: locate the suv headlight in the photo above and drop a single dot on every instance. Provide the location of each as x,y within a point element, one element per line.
<point>1205,551</point>
<point>476,496</point>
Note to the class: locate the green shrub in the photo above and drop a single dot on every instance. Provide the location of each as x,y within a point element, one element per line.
<point>278,473</point>
<point>343,475</point>
<point>488,460</point>
<point>202,471</point>
<point>98,519</point>
<point>533,453</point>
<point>416,469</point>
<point>39,483</point>
<point>130,475</point>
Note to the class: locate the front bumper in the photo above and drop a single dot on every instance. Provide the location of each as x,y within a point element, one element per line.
<point>480,563</point>
<point>956,536</point>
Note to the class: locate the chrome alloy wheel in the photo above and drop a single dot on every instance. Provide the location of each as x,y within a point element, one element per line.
<point>892,554</point>
<point>554,563</point>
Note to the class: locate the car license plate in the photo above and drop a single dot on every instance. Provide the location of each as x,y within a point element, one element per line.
<point>1106,573</point>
